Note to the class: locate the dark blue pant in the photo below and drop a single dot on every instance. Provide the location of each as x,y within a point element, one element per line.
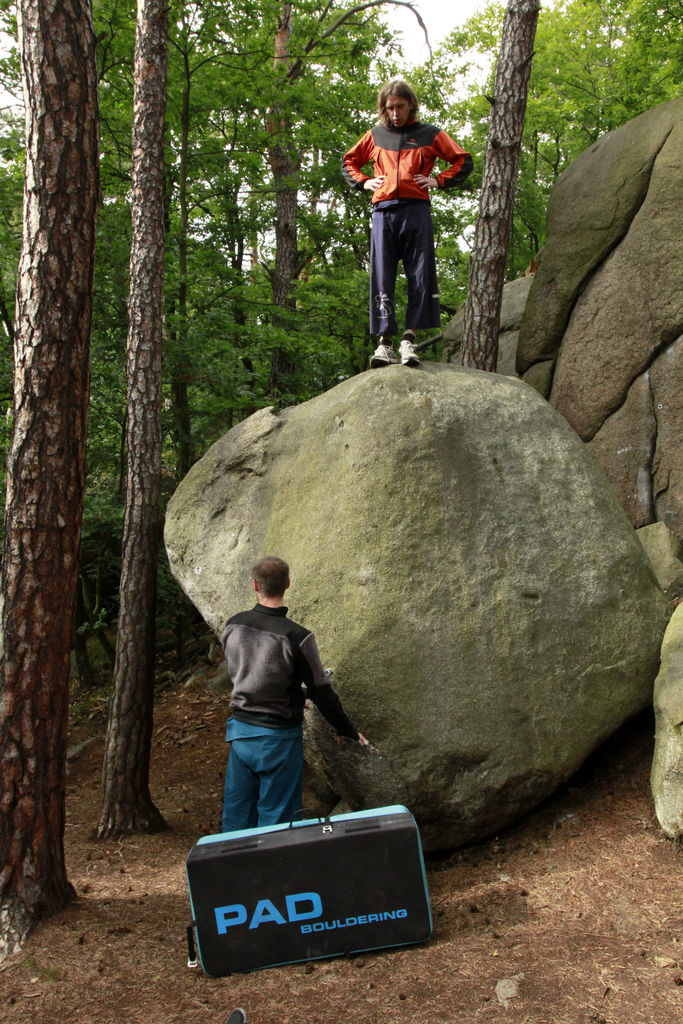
<point>403,232</point>
<point>263,782</point>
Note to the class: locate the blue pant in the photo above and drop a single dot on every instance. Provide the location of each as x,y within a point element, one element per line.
<point>263,781</point>
<point>403,232</point>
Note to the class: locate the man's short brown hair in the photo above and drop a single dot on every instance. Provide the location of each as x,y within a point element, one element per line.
<point>272,575</point>
<point>396,87</point>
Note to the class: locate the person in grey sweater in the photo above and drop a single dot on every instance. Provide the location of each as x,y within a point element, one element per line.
<point>274,665</point>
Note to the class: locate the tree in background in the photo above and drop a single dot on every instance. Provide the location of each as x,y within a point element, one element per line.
<point>496,205</point>
<point>45,475</point>
<point>126,802</point>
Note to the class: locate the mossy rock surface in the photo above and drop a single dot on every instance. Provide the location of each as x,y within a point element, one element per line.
<point>487,609</point>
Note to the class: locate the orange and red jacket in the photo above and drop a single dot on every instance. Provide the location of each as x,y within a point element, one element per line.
<point>400,154</point>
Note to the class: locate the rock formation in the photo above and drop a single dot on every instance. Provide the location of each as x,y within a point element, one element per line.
<point>667,765</point>
<point>472,580</point>
<point>602,333</point>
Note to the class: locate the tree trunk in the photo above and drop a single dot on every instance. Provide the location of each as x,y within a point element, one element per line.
<point>487,263</point>
<point>284,161</point>
<point>182,364</point>
<point>178,357</point>
<point>126,802</point>
<point>46,465</point>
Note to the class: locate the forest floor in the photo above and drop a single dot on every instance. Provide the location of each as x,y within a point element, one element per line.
<point>574,916</point>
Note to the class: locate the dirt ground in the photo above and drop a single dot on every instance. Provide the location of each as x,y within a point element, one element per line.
<point>573,916</point>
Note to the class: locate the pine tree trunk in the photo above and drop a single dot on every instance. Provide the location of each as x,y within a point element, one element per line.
<point>496,206</point>
<point>284,162</point>
<point>126,802</point>
<point>46,465</point>
<point>181,368</point>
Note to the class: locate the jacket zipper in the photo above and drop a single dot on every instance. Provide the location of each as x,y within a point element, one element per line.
<point>398,165</point>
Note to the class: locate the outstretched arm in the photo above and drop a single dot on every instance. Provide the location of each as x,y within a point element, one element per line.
<point>323,694</point>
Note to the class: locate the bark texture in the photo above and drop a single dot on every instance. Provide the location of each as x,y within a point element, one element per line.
<point>126,802</point>
<point>487,263</point>
<point>46,464</point>
<point>284,160</point>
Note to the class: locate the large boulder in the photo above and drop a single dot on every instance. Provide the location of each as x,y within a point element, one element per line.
<point>667,764</point>
<point>487,609</point>
<point>603,325</point>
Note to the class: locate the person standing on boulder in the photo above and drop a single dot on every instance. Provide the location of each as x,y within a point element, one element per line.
<point>403,152</point>
<point>270,658</point>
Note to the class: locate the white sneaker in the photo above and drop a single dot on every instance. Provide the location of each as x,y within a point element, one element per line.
<point>384,355</point>
<point>407,353</point>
